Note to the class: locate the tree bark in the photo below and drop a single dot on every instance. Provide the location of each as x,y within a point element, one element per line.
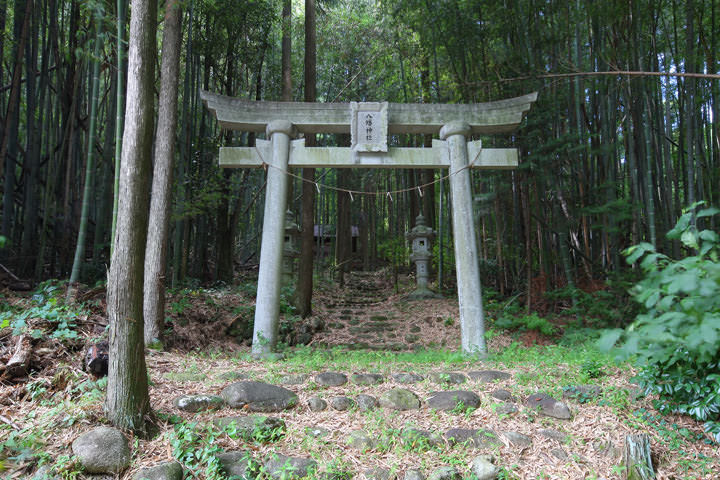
<point>286,95</point>
<point>304,288</point>
<point>158,226</point>
<point>122,6</point>
<point>89,166</point>
<point>9,148</point>
<point>343,232</point>
<point>128,401</point>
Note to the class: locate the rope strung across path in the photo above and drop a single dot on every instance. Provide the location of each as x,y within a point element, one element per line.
<point>388,194</point>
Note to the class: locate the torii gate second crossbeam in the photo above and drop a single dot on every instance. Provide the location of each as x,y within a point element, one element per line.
<point>369,124</point>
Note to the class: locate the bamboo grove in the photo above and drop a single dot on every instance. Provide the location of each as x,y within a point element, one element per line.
<point>607,160</point>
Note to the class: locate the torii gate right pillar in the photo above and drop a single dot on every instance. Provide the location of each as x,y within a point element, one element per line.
<point>466,252</point>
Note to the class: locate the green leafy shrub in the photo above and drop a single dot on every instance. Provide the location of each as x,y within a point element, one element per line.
<point>526,322</point>
<point>610,306</point>
<point>45,314</point>
<point>676,340</point>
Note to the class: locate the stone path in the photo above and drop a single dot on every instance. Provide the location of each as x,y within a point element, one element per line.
<point>360,317</point>
<point>332,393</point>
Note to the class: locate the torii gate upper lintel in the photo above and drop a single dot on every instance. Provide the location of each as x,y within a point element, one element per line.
<point>369,123</point>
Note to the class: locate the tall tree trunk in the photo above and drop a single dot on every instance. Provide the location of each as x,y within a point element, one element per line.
<point>89,167</point>
<point>286,95</point>
<point>690,83</point>
<point>304,287</point>
<point>343,232</point>
<point>9,149</point>
<point>156,249</point>
<point>122,6</point>
<point>128,401</point>
<point>33,143</point>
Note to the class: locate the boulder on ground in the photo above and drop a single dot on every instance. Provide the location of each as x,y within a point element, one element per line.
<point>316,404</point>
<point>102,450</point>
<point>251,426</point>
<point>366,378</point>
<point>475,437</point>
<point>163,471</point>
<point>258,396</point>
<point>445,473</point>
<point>341,404</point>
<point>234,464</point>
<point>482,468</point>
<point>366,402</point>
<point>456,399</point>
<point>284,467</point>
<point>361,440</point>
<point>331,379</point>
<point>400,399</point>
<point>196,403</point>
<point>548,406</point>
<point>448,378</point>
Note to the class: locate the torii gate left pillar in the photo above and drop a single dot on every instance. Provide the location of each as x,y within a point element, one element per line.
<point>267,304</point>
<point>282,121</point>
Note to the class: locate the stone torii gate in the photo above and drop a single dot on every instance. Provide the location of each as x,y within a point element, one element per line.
<point>369,124</point>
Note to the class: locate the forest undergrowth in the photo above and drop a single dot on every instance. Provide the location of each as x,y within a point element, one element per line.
<point>41,413</point>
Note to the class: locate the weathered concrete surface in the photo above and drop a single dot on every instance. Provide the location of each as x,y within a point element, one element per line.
<point>267,306</point>
<point>340,157</point>
<point>472,321</point>
<point>501,116</point>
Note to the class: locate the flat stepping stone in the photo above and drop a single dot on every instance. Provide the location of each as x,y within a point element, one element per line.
<point>421,439</point>
<point>331,379</point>
<point>445,473</point>
<point>163,471</point>
<point>293,379</point>
<point>483,468</point>
<point>284,467</point>
<point>341,404</point>
<point>399,399</point>
<point>554,435</point>
<point>102,450</point>
<point>360,440</point>
<point>456,399</point>
<point>503,395</point>
<point>518,439</point>
<point>471,436</point>
<point>316,404</point>
<point>488,376</point>
<point>448,378</point>
<point>258,396</point>
<point>548,406</point>
<point>413,474</point>
<point>250,425</point>
<point>505,409</point>
<point>235,464</point>
<point>406,378</point>
<point>197,403</point>
<point>559,453</point>
<point>366,378</point>
<point>366,402</point>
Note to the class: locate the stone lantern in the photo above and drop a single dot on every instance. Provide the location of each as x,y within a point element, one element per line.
<point>421,237</point>
<point>290,247</point>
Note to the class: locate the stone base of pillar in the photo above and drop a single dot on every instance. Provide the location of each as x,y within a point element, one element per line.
<point>421,293</point>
